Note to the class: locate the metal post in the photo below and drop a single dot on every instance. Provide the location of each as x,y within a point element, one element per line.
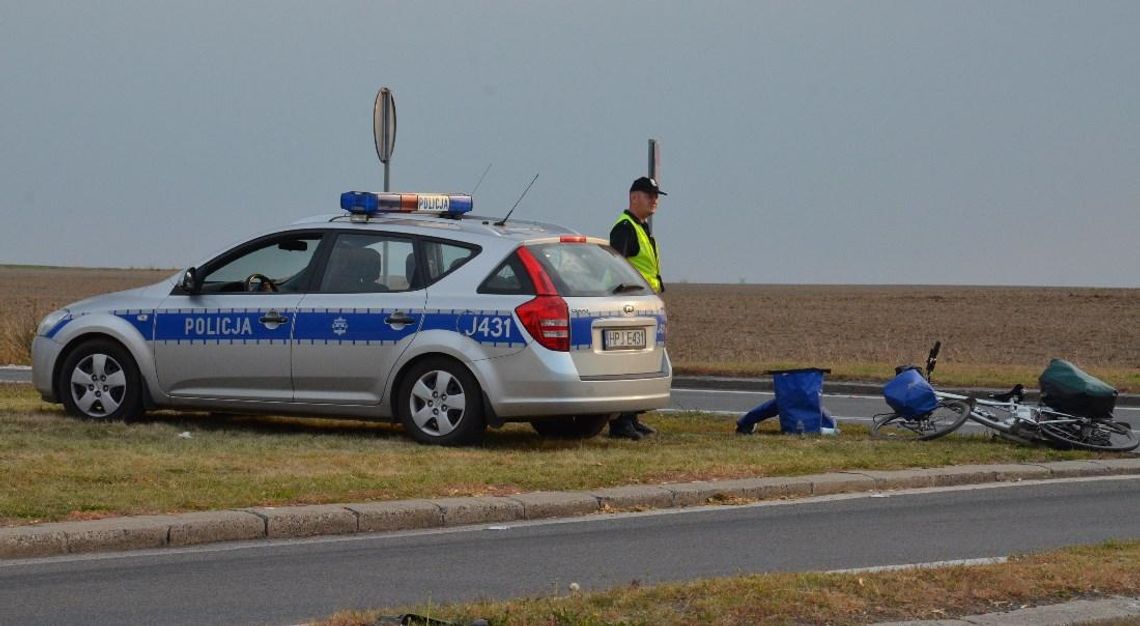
<point>387,125</point>
<point>654,163</point>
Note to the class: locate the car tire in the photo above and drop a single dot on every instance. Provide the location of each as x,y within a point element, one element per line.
<point>99,380</point>
<point>440,402</point>
<point>572,427</point>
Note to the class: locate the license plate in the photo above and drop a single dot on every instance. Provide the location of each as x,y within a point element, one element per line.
<point>623,339</point>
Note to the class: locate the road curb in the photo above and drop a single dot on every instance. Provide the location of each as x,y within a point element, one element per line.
<point>727,383</point>
<point>186,529</point>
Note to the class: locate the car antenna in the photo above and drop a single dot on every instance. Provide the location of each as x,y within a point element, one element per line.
<point>504,220</point>
<point>481,179</point>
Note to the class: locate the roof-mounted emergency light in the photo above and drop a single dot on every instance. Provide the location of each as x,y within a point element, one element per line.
<point>370,203</point>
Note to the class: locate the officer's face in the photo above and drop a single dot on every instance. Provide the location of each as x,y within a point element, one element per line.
<point>642,204</point>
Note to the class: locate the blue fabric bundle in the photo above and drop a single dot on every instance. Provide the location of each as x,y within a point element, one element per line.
<point>909,395</point>
<point>799,395</point>
<point>797,402</point>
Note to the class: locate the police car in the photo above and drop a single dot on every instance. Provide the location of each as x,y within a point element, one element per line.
<point>404,308</point>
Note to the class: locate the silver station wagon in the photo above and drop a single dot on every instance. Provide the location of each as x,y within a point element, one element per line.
<point>406,307</point>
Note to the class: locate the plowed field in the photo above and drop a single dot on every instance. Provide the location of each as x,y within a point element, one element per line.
<point>990,334</point>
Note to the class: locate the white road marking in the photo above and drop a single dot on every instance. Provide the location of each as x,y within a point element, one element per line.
<point>928,565</point>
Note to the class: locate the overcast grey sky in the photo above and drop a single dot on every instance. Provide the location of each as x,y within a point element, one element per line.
<point>991,142</point>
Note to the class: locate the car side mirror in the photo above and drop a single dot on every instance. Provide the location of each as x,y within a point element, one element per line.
<point>190,283</point>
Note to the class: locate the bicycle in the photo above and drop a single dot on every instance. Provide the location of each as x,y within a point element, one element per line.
<point>947,416</point>
<point>1011,418</point>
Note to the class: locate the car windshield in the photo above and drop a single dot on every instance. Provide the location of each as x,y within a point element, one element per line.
<point>584,269</point>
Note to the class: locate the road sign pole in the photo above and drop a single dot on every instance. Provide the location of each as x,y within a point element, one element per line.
<point>654,167</point>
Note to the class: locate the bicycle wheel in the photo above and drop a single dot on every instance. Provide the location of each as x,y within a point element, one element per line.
<point>1088,434</point>
<point>942,421</point>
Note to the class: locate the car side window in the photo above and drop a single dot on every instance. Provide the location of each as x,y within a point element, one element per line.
<point>369,263</point>
<point>280,264</point>
<point>444,257</point>
<point>509,278</point>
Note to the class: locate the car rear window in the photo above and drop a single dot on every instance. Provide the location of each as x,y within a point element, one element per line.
<point>509,278</point>
<point>587,269</point>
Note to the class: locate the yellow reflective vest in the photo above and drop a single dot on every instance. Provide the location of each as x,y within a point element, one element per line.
<point>646,260</point>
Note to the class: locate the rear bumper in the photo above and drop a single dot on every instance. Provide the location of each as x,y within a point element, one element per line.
<point>538,383</point>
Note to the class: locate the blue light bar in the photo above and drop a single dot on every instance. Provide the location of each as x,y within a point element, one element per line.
<point>370,203</point>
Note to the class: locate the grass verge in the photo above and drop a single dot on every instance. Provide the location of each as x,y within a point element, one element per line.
<point>1108,569</point>
<point>58,468</point>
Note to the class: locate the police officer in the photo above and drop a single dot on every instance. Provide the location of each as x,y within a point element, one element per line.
<point>630,236</point>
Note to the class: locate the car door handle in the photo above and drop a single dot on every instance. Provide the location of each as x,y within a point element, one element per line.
<point>399,317</point>
<point>273,317</point>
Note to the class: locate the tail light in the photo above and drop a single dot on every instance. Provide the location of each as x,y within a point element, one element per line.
<point>546,318</point>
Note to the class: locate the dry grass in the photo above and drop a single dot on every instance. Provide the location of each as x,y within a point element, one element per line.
<point>59,468</point>
<point>814,598</point>
<point>29,293</point>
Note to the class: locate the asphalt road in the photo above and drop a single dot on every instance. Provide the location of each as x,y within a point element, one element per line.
<point>15,374</point>
<point>845,408</point>
<point>289,582</point>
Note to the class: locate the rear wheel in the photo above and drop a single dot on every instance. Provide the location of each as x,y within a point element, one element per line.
<point>99,380</point>
<point>440,402</point>
<point>573,427</point>
<point>1088,434</point>
<point>942,421</point>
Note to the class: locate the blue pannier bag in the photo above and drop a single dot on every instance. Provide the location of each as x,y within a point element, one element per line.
<point>909,395</point>
<point>798,399</point>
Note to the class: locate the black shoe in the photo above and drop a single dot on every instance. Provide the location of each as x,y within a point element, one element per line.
<point>644,429</point>
<point>624,429</point>
<point>745,430</point>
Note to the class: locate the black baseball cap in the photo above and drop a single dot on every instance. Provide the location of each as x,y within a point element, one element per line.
<point>647,185</point>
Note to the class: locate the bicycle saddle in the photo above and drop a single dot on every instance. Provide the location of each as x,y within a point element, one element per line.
<point>1017,394</point>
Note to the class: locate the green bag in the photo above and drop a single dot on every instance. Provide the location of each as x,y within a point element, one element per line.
<point>1065,388</point>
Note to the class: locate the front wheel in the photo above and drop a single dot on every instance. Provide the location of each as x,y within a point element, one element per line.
<point>573,427</point>
<point>945,419</point>
<point>99,380</point>
<point>1088,434</point>
<point>440,402</point>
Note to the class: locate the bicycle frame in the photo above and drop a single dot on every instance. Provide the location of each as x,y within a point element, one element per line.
<point>1016,417</point>
<point>1012,411</point>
